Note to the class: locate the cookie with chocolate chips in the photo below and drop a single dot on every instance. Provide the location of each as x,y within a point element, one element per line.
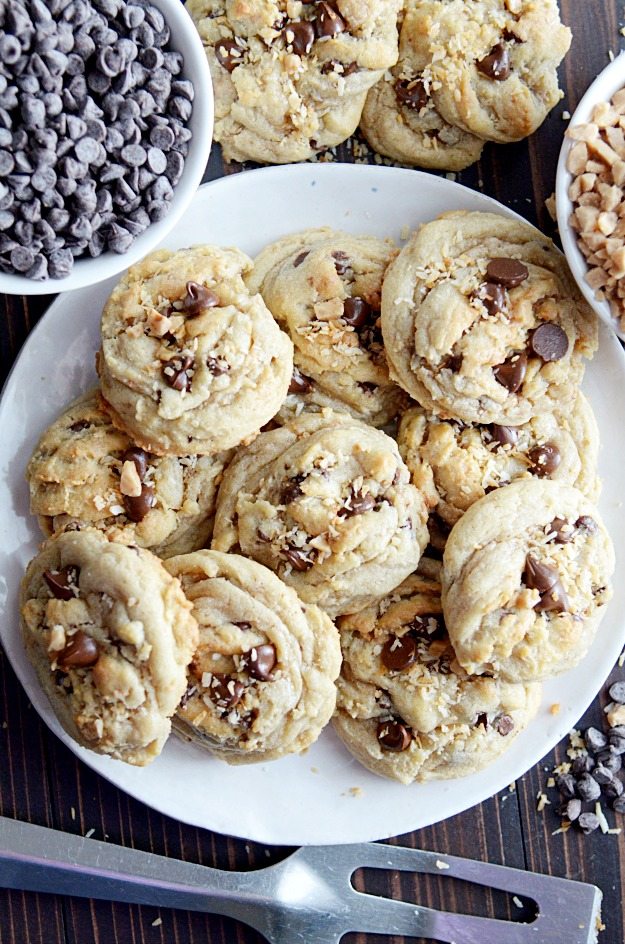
<point>454,465</point>
<point>261,681</point>
<point>324,287</point>
<point>492,63</point>
<point>400,118</point>
<point>526,580</point>
<point>405,708</point>
<point>482,321</point>
<point>290,77</point>
<point>191,363</point>
<point>84,472</point>
<point>326,503</point>
<point>110,635</point>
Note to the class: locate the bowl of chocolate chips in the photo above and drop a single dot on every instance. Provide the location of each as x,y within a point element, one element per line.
<point>106,120</point>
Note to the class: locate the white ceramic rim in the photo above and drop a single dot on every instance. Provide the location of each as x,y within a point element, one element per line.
<point>609,81</point>
<point>87,271</point>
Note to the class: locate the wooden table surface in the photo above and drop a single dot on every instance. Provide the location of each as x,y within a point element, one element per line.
<point>42,782</point>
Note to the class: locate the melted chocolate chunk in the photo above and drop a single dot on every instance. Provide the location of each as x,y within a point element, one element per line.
<point>217,366</point>
<point>399,652</point>
<point>341,262</point>
<point>357,504</point>
<point>298,558</point>
<point>504,435</point>
<point>300,36</point>
<point>511,373</point>
<point>80,652</point>
<point>259,662</point>
<point>492,296</point>
<point>411,93</point>
<point>300,383</point>
<point>198,298</point>
<point>394,735</point>
<point>292,489</point>
<point>496,65</point>
<point>63,583</point>
<point>225,691</point>
<point>229,54</point>
<point>300,258</point>
<point>545,459</point>
<point>356,312</point>
<point>328,21</point>
<point>137,506</point>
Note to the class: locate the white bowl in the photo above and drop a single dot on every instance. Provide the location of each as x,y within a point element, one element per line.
<point>609,81</point>
<point>87,271</point>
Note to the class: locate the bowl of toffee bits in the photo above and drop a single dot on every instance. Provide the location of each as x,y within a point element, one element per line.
<point>106,119</point>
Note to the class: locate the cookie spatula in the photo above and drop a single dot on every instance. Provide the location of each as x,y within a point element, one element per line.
<point>307,898</point>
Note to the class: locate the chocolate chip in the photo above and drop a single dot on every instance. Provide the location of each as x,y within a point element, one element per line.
<point>503,724</point>
<point>614,788</point>
<point>411,93</point>
<point>297,558</point>
<point>341,68</point>
<point>544,459</point>
<point>452,362</point>
<point>492,296</point>
<point>198,298</point>
<point>80,652</point>
<point>602,775</point>
<point>586,524</point>
<point>299,259</point>
<point>511,373</point>
<point>588,788</point>
<point>504,435</point>
<point>616,737</point>
<point>356,312</point>
<point>566,785</point>
<point>563,530</point>
<point>64,582</point>
<point>79,426</point>
<point>595,739</point>
<point>394,735</point>
<point>292,490</point>
<point>188,695</point>
<point>588,822</point>
<point>300,383</point>
<point>217,366</point>
<point>399,652</point>
<point>300,36</point>
<point>176,373</point>
<point>357,504</point>
<point>549,342</point>
<point>554,600</point>
<point>229,54</point>
<point>225,691</point>
<point>582,764</point>
<point>482,721</point>
<point>496,65</point>
<point>506,272</point>
<point>328,21</point>
<point>610,760</point>
<point>140,459</point>
<point>573,809</point>
<point>259,662</point>
<point>539,576</point>
<point>138,506</point>
<point>617,692</point>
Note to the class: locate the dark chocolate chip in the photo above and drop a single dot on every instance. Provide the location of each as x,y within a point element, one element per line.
<point>140,459</point>
<point>452,362</point>
<point>545,459</point>
<point>610,760</point>
<point>482,721</point>
<point>299,259</point>
<point>399,652</point>
<point>138,506</point>
<point>225,691</point>
<point>614,788</point>
<point>564,531</point>
<point>504,435</point>
<point>292,490</point>
<point>198,298</point>
<point>357,504</point>
<point>300,36</point>
<point>619,804</point>
<point>217,366</point>
<point>539,576</point>
<point>328,21</point>
<point>411,93</point>
<point>176,373</point>
<point>588,788</point>
<point>341,68</point>
<point>566,785</point>
<point>602,775</point>
<point>341,262</point>
<point>63,583</point>
<point>582,764</point>
<point>80,652</point>
<point>595,739</point>
<point>229,54</point>
<point>586,524</point>
<point>588,822</point>
<point>496,65</point>
<point>549,342</point>
<point>617,739</point>
<point>573,809</point>
<point>259,662</point>
<point>506,272</point>
<point>617,692</point>
<point>356,312</point>
<point>300,383</point>
<point>297,558</point>
<point>79,426</point>
<point>511,373</point>
<point>394,735</point>
<point>503,724</point>
<point>492,296</point>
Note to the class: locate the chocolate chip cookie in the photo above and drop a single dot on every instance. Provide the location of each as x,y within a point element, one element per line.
<point>326,503</point>
<point>290,77</point>
<point>261,682</point>
<point>516,327</point>
<point>405,708</point>
<point>85,472</point>
<point>526,580</point>
<point>455,465</point>
<point>110,634</point>
<point>191,363</point>
<point>323,287</point>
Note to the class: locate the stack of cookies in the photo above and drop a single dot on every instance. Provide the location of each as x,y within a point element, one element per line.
<point>429,81</point>
<point>390,457</point>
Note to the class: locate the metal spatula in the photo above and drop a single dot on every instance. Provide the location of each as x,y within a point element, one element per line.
<point>307,898</point>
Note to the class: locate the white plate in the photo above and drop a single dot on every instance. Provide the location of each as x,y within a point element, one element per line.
<point>297,800</point>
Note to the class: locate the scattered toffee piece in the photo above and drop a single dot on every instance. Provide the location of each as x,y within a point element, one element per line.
<point>80,652</point>
<point>492,296</point>
<point>328,21</point>
<point>549,342</point>
<point>411,93</point>
<point>297,558</point>
<point>356,312</point>
<point>299,259</point>
<point>292,489</point>
<point>217,366</point>
<point>399,652</point>
<point>482,720</point>
<point>586,524</point>
<point>341,262</point>
<point>229,54</point>
<point>496,65</point>
<point>394,735</point>
<point>300,35</point>
<point>504,435</point>
<point>175,372</point>
<point>79,425</point>
<point>300,383</point>
<point>452,362</point>
<point>358,504</point>
<point>511,373</point>
<point>140,459</point>
<point>259,662</point>
<point>564,531</point>
<point>545,459</point>
<point>198,298</point>
<point>506,272</point>
<point>63,583</point>
<point>503,725</point>
<point>225,691</point>
<point>137,507</point>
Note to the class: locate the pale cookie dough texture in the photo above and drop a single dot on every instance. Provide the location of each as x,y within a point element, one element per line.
<point>86,473</point>
<point>492,63</point>
<point>526,581</point>
<point>482,321</point>
<point>261,682</point>
<point>406,709</point>
<point>400,118</point>
<point>325,502</point>
<point>290,78</point>
<point>191,363</point>
<point>454,465</point>
<point>110,634</point>
<point>324,289</point>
